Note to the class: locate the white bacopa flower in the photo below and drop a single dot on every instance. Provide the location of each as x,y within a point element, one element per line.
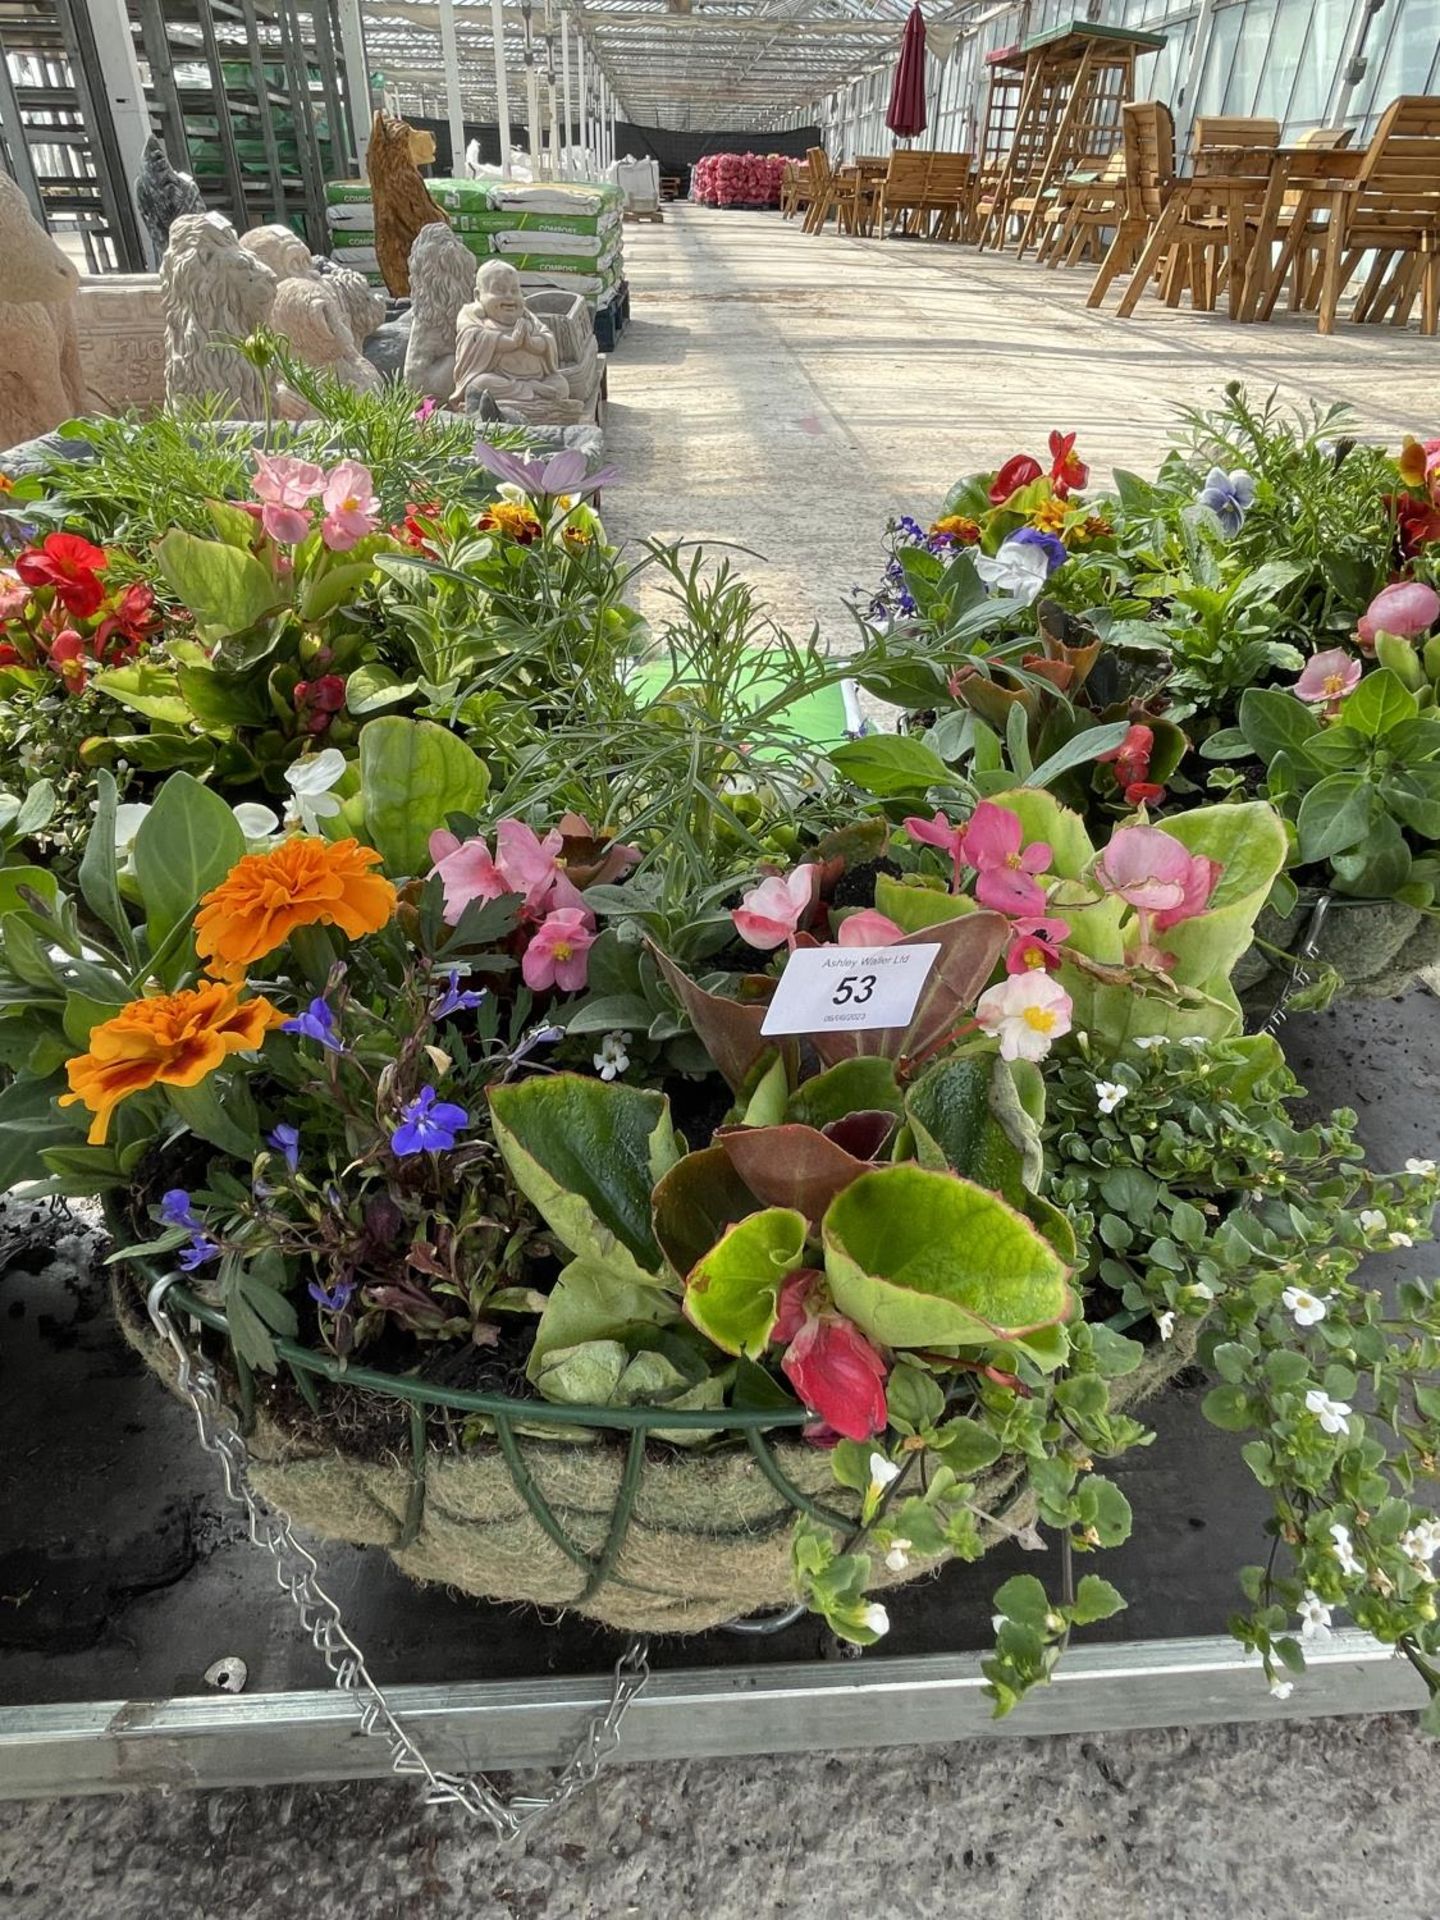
<point>882,1472</point>
<point>875,1618</point>
<point>1401,1240</point>
<point>1281,1689</point>
<point>1421,1543</point>
<point>1166,1323</point>
<point>1109,1094</point>
<point>1372,1220</point>
<point>1202,1290</point>
<point>1419,1166</point>
<point>1308,1308</point>
<point>310,781</point>
<point>612,1060</point>
<point>898,1558</point>
<point>1344,1549</point>
<point>1314,1617</point>
<point>1332,1414</point>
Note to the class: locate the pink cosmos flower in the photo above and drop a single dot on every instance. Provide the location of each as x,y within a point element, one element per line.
<point>992,845</point>
<point>351,508</point>
<point>467,870</point>
<point>1408,608</point>
<point>771,913</point>
<point>558,953</point>
<point>1027,1012</point>
<point>868,929</point>
<point>1328,676</point>
<point>1035,945</point>
<point>939,833</point>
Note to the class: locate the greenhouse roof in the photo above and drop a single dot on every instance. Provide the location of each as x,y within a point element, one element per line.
<point>737,64</point>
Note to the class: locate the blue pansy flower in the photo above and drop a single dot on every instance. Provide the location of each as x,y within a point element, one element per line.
<point>1229,496</point>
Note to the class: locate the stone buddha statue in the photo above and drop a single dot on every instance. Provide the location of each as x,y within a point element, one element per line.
<point>501,348</point>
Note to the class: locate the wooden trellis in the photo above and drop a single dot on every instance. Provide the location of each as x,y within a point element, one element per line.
<point>1073,82</point>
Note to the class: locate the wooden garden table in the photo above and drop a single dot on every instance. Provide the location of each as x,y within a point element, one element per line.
<point>1320,180</point>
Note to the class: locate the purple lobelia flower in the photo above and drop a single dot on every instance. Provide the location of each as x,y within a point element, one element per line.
<point>316,1023</point>
<point>285,1140</point>
<point>177,1210</point>
<point>334,1299</point>
<point>455,999</point>
<point>428,1125</point>
<point>200,1250</point>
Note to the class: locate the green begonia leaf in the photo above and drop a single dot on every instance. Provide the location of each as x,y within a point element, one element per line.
<point>731,1293</point>
<point>414,773</point>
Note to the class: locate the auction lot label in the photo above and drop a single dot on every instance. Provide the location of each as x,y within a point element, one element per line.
<point>826,988</point>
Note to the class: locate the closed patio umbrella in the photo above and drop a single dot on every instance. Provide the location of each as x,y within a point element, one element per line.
<point>905,116</point>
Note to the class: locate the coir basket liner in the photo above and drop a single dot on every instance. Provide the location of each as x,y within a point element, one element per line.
<point>580,1508</point>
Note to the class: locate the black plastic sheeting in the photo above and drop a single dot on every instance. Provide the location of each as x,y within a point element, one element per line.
<point>675,152</point>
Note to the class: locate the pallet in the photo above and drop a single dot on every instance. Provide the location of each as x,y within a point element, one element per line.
<point>653,214</point>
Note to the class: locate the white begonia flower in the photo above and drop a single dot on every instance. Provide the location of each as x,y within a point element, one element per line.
<point>875,1618</point>
<point>256,822</point>
<point>1109,1094</point>
<point>997,1620</point>
<point>1314,1617</point>
<point>1344,1549</point>
<point>898,1558</point>
<point>1281,1689</point>
<point>1419,1166</point>
<point>1166,1323</point>
<point>882,1472</point>
<point>1149,1040</point>
<point>1372,1220</point>
<point>310,781</point>
<point>1332,1414</point>
<point>1308,1308</point>
<point>1019,568</point>
<point>612,1060</point>
<point>129,818</point>
<point>1398,1239</point>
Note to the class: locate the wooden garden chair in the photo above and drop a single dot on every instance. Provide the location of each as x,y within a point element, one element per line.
<point>1295,219</point>
<point>802,191</point>
<point>903,191</point>
<point>948,196</point>
<point>1149,154</point>
<point>1203,236</point>
<point>822,185</point>
<point>1090,200</point>
<point>1391,209</point>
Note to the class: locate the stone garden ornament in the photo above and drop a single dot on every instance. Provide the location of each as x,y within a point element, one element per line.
<point>313,312</point>
<point>442,280</point>
<point>162,194</point>
<point>503,349</point>
<point>214,292</point>
<point>41,382</point>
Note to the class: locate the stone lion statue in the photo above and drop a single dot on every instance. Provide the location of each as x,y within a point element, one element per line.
<point>41,382</point>
<point>311,314</point>
<point>401,200</point>
<point>213,290</point>
<point>442,279</point>
<point>365,306</point>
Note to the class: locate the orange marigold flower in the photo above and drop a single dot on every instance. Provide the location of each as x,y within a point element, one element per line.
<point>304,882</point>
<point>1049,516</point>
<point>960,527</point>
<point>1095,526</point>
<point>509,517</point>
<point>173,1040</point>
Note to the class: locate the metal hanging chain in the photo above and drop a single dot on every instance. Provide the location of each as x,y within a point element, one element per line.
<point>1299,975</point>
<point>297,1574</point>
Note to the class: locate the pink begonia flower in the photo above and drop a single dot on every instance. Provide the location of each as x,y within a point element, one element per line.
<point>836,1371</point>
<point>283,481</point>
<point>287,526</point>
<point>467,870</point>
<point>1165,883</point>
<point>14,596</point>
<point>1328,676</point>
<point>992,844</point>
<point>1408,609</point>
<point>532,868</point>
<point>868,928</point>
<point>426,407</point>
<point>1035,945</point>
<point>351,508</point>
<point>771,913</point>
<point>1028,1012</point>
<point>1200,882</point>
<point>939,833</point>
<point>558,953</point>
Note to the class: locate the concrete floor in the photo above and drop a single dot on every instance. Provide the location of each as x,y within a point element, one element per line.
<point>788,394</point>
